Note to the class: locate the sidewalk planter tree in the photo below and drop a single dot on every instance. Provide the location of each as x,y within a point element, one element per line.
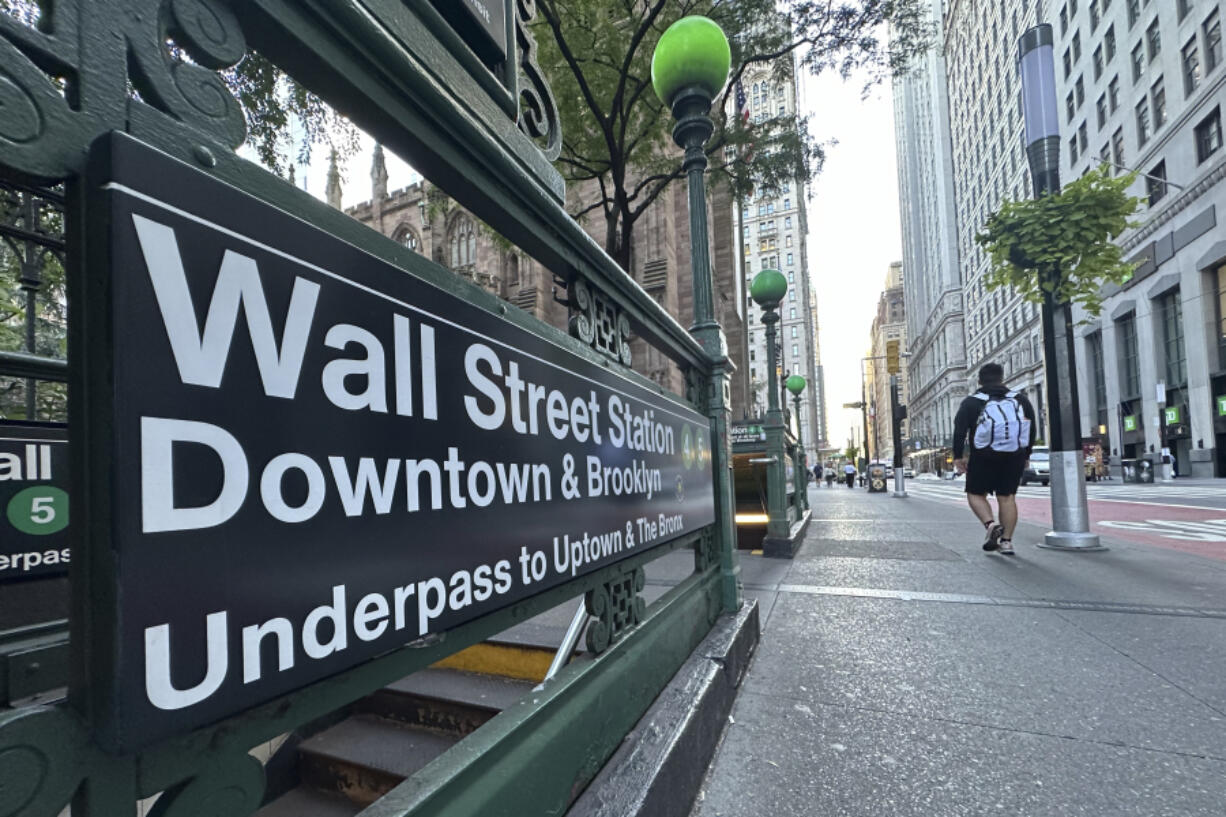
<point>1063,243</point>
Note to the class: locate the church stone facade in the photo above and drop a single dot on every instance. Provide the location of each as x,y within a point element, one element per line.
<point>422,219</point>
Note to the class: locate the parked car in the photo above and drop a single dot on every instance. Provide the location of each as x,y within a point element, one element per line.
<point>1039,467</point>
<point>908,473</point>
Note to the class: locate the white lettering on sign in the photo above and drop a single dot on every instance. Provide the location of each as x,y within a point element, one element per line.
<point>37,464</point>
<point>481,9</point>
<point>202,356</point>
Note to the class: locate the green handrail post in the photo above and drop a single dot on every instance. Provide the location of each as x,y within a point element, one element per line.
<point>688,71</point>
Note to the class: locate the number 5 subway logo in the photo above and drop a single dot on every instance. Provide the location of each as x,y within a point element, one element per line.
<point>33,477</point>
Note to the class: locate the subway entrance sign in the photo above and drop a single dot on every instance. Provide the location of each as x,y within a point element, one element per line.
<point>33,500</point>
<point>314,457</point>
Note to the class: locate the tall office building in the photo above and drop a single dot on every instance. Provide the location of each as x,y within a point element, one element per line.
<point>989,165</point>
<point>1142,85</point>
<point>889,324</point>
<point>820,375</point>
<point>773,230</point>
<point>932,286</point>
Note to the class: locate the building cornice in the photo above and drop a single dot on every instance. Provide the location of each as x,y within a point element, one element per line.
<point>1180,202</point>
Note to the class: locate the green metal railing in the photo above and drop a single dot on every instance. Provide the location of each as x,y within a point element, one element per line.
<point>94,66</point>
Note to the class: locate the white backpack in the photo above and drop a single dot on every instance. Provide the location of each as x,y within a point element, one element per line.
<point>1002,425</point>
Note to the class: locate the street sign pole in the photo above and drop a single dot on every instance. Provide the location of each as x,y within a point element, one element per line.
<point>1163,451</point>
<point>897,414</point>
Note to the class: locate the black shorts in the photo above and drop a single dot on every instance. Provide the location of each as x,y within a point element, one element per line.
<point>994,472</point>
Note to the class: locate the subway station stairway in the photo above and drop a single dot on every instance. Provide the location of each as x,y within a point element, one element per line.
<point>388,736</point>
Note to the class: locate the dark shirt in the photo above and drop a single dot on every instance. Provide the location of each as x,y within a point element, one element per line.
<point>968,416</point>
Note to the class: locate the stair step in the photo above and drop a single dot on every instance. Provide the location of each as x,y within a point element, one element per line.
<point>305,801</point>
<point>366,756</point>
<point>446,699</point>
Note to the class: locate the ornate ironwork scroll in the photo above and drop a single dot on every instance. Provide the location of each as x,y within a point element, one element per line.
<point>65,83</point>
<point>706,551</point>
<point>598,323</point>
<point>615,608</point>
<point>698,389</point>
<point>538,112</point>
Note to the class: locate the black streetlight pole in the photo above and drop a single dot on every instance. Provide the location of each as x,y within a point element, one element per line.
<point>1070,513</point>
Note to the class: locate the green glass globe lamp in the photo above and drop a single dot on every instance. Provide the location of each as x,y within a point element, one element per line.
<point>768,288</point>
<point>692,52</point>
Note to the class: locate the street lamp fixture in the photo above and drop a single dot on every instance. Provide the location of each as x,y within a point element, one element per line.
<point>1070,512</point>
<point>767,290</point>
<point>796,385</point>
<point>688,71</point>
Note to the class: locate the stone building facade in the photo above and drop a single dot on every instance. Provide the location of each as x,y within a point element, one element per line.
<point>774,235</point>
<point>422,219</point>
<point>890,323</point>
<point>1142,85</point>
<point>936,366</point>
<point>989,165</point>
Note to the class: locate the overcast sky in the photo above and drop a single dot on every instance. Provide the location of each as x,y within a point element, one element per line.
<point>854,230</point>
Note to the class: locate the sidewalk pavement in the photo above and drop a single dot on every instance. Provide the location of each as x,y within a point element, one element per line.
<point>902,671</point>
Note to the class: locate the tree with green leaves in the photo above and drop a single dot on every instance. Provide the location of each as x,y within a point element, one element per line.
<point>596,55</point>
<point>1063,243</point>
<point>851,453</point>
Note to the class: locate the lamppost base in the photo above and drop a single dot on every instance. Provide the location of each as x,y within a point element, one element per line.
<point>1069,540</point>
<point>900,494</point>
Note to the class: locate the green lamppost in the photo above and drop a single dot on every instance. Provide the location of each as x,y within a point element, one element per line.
<point>688,71</point>
<point>768,288</point>
<point>796,385</point>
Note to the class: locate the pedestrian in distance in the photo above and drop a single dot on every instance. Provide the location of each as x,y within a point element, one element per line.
<point>830,476</point>
<point>1001,425</point>
<point>849,474</point>
<point>817,474</point>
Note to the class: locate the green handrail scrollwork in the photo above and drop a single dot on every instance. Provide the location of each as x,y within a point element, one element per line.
<point>45,753</point>
<point>65,83</point>
<point>706,550</point>
<point>598,322</point>
<point>538,112</point>
<point>615,607</point>
<point>230,787</point>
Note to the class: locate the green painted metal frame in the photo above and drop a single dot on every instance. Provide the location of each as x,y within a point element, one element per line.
<point>400,83</point>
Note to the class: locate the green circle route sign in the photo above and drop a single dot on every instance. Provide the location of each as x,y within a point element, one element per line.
<point>39,510</point>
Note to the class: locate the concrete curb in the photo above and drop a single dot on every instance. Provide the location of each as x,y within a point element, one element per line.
<point>661,764</point>
<point>787,548</point>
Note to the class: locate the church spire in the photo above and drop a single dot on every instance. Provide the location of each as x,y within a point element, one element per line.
<point>378,174</point>
<point>333,190</point>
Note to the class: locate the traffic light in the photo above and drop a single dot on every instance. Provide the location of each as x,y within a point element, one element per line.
<point>891,357</point>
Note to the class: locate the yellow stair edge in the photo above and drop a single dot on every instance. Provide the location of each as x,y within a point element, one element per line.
<point>507,660</point>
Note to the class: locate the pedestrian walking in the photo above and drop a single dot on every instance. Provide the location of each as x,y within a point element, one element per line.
<point>817,474</point>
<point>849,474</point>
<point>830,475</point>
<point>1001,425</point>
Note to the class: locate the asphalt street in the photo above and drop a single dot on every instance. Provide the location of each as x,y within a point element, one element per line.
<point>1182,515</point>
<point>903,672</point>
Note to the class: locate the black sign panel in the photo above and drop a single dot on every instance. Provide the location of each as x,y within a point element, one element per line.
<point>482,24</point>
<point>318,457</point>
<point>34,500</point>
